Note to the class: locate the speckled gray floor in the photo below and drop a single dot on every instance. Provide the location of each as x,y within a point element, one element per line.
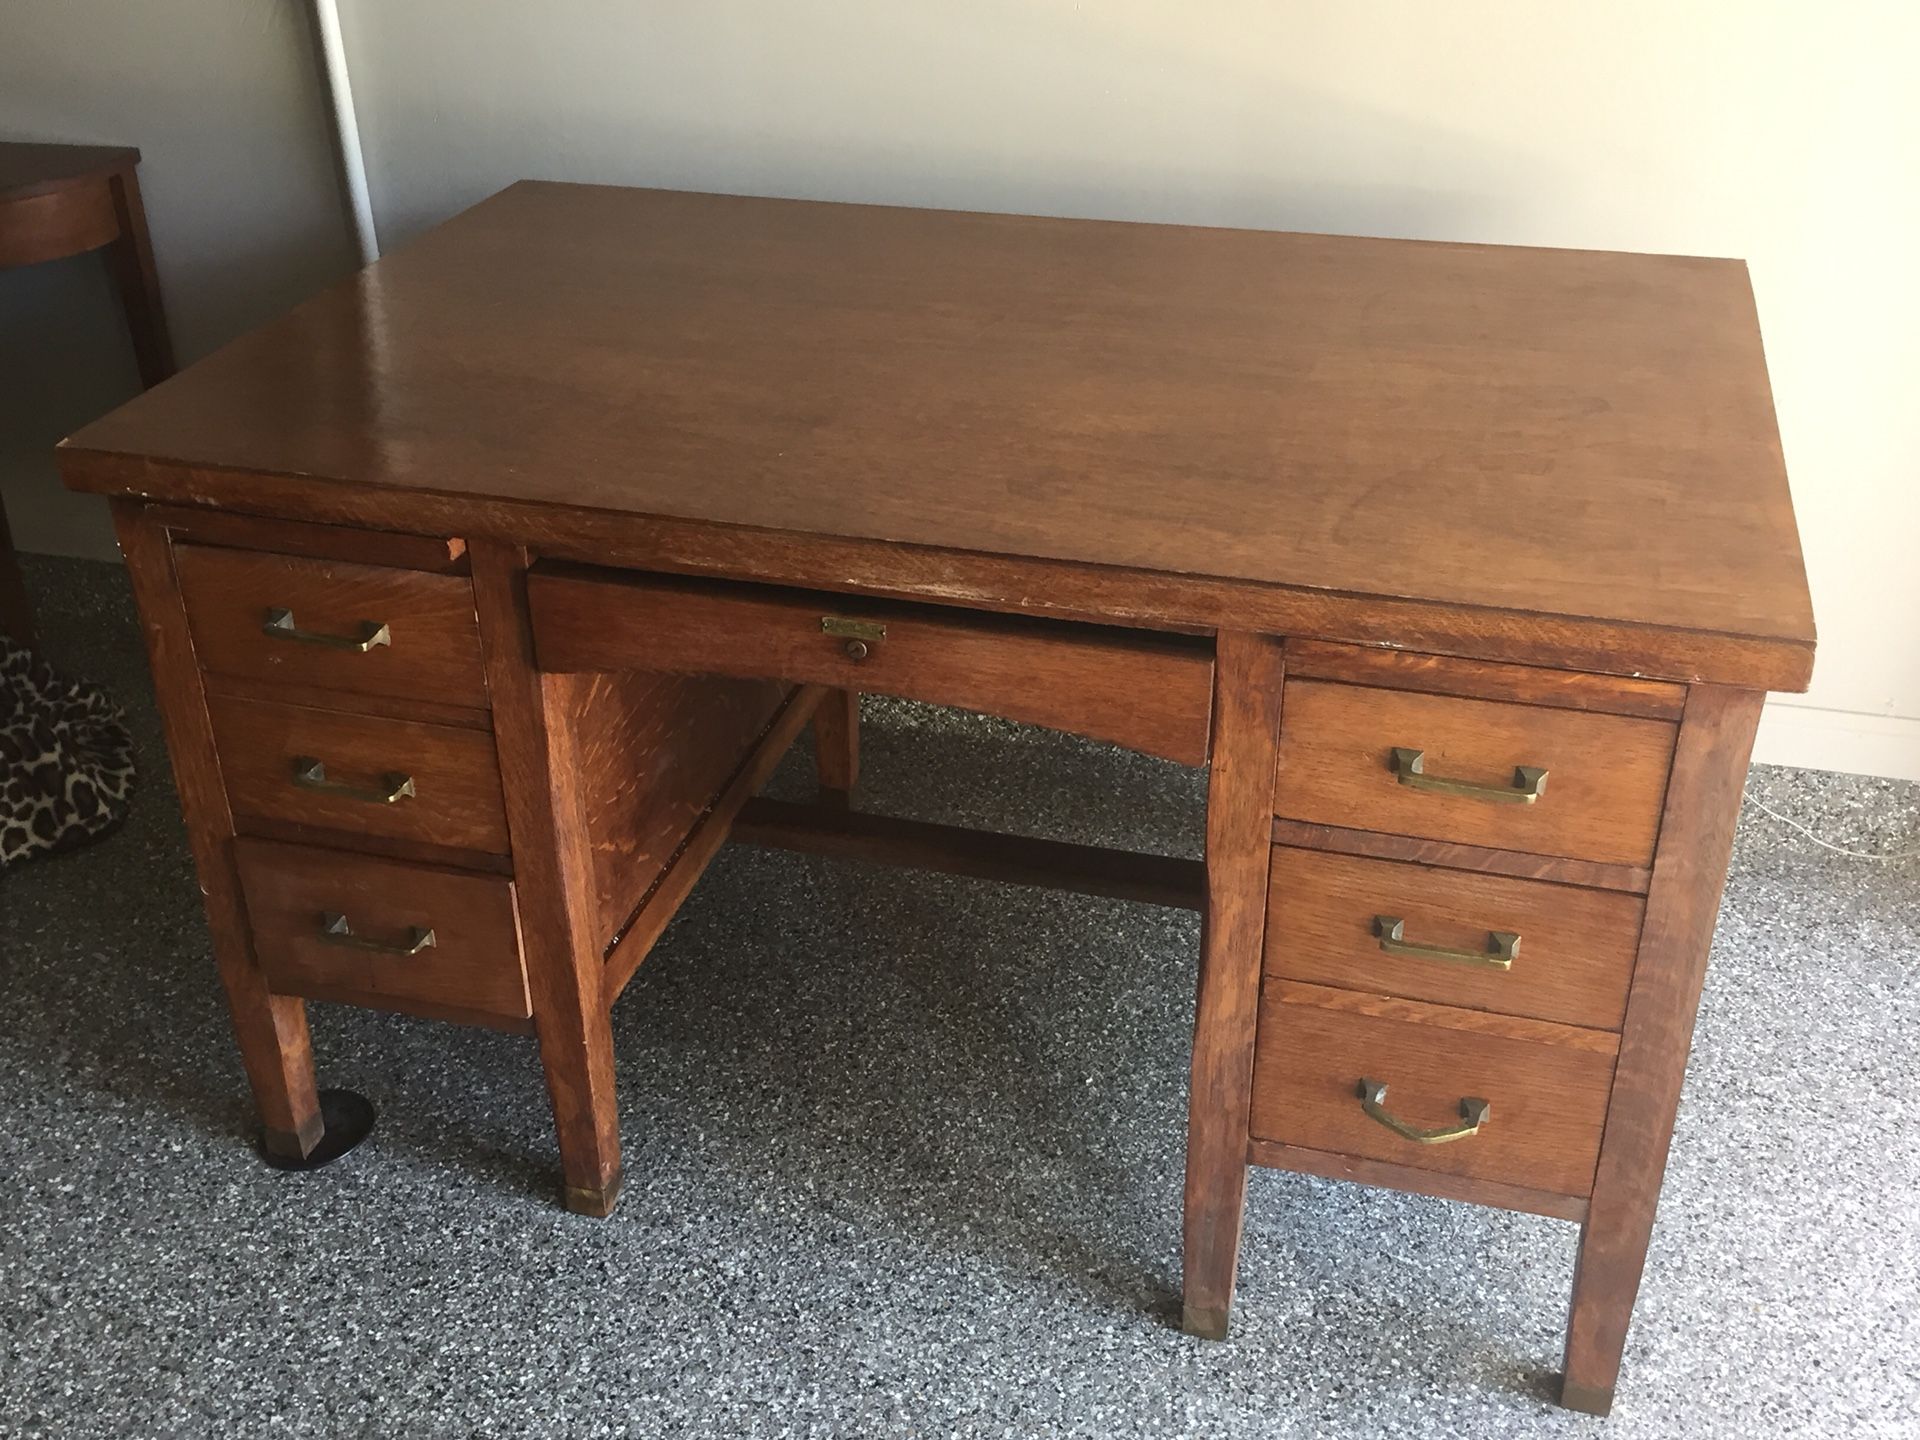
<point>903,1158</point>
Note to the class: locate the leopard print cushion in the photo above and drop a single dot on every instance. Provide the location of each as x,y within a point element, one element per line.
<point>66,759</point>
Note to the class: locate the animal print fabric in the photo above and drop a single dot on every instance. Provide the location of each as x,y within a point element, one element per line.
<point>66,759</point>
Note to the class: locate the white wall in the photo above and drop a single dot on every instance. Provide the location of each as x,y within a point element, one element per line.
<point>1785,133</point>
<point>222,100</point>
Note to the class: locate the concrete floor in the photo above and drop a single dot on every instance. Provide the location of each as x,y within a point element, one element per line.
<point>904,1158</point>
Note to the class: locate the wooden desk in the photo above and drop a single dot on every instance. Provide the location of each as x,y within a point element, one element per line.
<point>484,590</point>
<point>61,200</point>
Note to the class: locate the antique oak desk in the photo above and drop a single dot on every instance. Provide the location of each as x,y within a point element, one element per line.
<point>484,590</point>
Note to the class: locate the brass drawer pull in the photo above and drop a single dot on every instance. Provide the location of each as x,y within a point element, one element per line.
<point>860,635</point>
<point>311,774</point>
<point>1411,768</point>
<point>1473,1114</point>
<point>1502,946</point>
<point>372,632</point>
<point>334,930</point>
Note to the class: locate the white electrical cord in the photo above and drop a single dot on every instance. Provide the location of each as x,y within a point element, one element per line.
<point>346,128</point>
<point>1892,858</point>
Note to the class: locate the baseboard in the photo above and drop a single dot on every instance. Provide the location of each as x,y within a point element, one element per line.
<point>1844,740</point>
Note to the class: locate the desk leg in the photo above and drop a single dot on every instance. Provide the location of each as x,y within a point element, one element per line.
<point>131,259</point>
<point>1246,726</point>
<point>271,1029</point>
<point>553,881</point>
<point>16,611</point>
<point>1683,902</point>
<point>836,745</point>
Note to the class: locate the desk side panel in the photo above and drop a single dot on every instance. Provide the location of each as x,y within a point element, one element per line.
<point>655,751</point>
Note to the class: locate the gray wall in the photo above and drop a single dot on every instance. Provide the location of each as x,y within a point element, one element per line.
<point>221,98</point>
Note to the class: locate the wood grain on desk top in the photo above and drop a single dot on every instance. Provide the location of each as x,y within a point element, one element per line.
<point>1566,433</point>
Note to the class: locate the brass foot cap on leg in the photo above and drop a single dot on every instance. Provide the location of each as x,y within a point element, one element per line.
<point>584,1200</point>
<point>1208,1322</point>
<point>1588,1399</point>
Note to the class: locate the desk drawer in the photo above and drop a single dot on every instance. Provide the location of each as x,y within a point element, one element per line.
<point>1148,692</point>
<point>1546,1086</point>
<point>333,926</point>
<point>420,638</point>
<point>1569,951</point>
<point>1604,782</point>
<point>439,784</point>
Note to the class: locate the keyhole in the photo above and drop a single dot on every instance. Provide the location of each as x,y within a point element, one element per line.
<point>856,649</point>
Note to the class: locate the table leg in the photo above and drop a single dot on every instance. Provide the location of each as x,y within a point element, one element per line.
<point>576,1051</point>
<point>1246,725</point>
<point>1683,901</point>
<point>553,880</point>
<point>836,745</point>
<point>131,259</point>
<point>572,1012</point>
<point>16,610</point>
<point>277,1051</point>
<point>271,1029</point>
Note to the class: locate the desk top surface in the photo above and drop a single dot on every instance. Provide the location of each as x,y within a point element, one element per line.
<point>1552,432</point>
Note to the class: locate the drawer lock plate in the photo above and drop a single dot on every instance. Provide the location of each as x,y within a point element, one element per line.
<point>845,628</point>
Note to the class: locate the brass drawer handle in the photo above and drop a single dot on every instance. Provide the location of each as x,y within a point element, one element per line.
<point>1473,1114</point>
<point>1411,768</point>
<point>372,632</point>
<point>1502,946</point>
<point>311,774</point>
<point>860,635</point>
<point>334,930</point>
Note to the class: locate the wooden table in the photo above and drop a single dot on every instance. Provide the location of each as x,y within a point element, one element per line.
<point>61,200</point>
<point>484,591</point>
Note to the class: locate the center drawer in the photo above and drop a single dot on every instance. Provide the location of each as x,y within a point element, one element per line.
<point>1148,692</point>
